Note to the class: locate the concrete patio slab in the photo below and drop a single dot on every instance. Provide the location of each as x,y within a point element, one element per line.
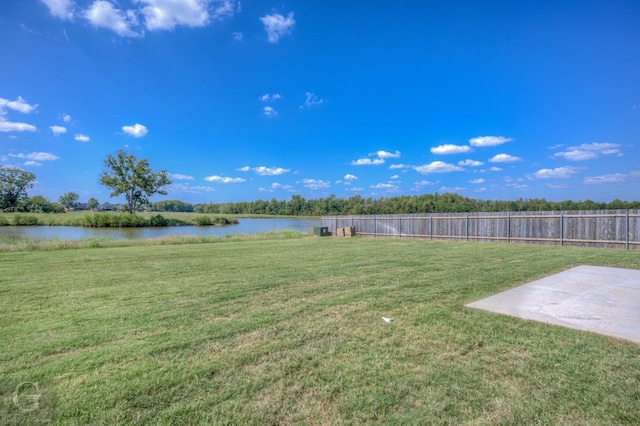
<point>590,298</point>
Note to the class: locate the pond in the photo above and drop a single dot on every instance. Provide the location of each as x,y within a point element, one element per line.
<point>246,226</point>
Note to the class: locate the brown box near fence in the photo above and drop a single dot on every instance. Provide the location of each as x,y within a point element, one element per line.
<point>347,231</point>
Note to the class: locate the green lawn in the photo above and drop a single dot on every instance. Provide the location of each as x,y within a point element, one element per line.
<point>289,331</point>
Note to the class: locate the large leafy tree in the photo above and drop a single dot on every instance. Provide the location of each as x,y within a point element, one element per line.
<point>69,200</point>
<point>13,187</point>
<point>125,174</point>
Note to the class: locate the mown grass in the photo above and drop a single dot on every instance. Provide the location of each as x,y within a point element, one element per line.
<point>289,331</point>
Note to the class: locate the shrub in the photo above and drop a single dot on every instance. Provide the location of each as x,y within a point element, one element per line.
<point>158,220</point>
<point>24,220</point>
<point>203,221</point>
<point>3,221</point>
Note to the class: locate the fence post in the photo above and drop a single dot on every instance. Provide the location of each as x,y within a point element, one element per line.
<point>375,226</point>
<point>561,229</point>
<point>430,227</point>
<point>400,226</point>
<point>626,229</point>
<point>508,227</point>
<point>336,230</point>
<point>466,228</point>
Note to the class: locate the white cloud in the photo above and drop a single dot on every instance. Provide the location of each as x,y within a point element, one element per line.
<point>103,14</point>
<point>137,130</point>
<point>62,9</point>
<point>477,181</point>
<point>495,169</point>
<point>277,26</point>
<point>482,141</point>
<point>36,156</point>
<point>179,176</point>
<point>221,179</point>
<point>367,162</point>
<point>243,169</point>
<point>18,105</point>
<point>425,183</point>
<point>381,156</point>
<point>611,178</point>
<point>504,158</point>
<point>450,149</point>
<point>385,154</point>
<point>558,173</point>
<point>58,130</point>
<point>270,171</point>
<point>237,36</point>
<point>470,163</point>
<point>315,184</point>
<point>13,126</point>
<point>384,186</point>
<point>270,98</point>
<point>349,177</point>
<point>82,138</point>
<point>399,166</point>
<point>66,118</point>
<point>311,100</point>
<point>437,167</point>
<point>166,14</point>
<point>588,151</point>
<point>269,111</point>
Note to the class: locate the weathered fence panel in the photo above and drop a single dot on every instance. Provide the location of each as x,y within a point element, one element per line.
<point>593,228</point>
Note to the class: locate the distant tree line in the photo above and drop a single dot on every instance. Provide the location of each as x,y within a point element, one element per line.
<point>426,203</point>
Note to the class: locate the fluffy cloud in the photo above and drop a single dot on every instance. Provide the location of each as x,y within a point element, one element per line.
<point>277,26</point>
<point>588,151</point>
<point>381,156</point>
<point>222,179</point>
<point>399,166</point>
<point>103,14</point>
<point>477,181</point>
<point>504,158</point>
<point>558,173</point>
<point>612,178</point>
<point>82,138</point>
<point>349,177</point>
<point>58,130</point>
<point>270,171</point>
<point>367,162</point>
<point>270,111</point>
<point>470,163</point>
<point>315,184</point>
<point>178,176</point>
<point>450,149</point>
<point>150,14</point>
<point>437,167</point>
<point>137,130</point>
<point>19,105</point>
<point>269,98</point>
<point>312,100</point>
<point>166,14</point>
<point>482,141</point>
<point>36,156</point>
<point>66,118</point>
<point>62,9</point>
<point>385,154</point>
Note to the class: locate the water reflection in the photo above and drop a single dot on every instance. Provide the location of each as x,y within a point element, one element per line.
<point>246,226</point>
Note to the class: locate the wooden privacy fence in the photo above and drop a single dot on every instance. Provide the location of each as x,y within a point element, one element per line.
<point>593,228</point>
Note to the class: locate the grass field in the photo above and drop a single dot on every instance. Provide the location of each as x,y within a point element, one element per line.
<point>289,331</point>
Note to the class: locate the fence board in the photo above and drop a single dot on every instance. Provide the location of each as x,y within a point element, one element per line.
<point>592,228</point>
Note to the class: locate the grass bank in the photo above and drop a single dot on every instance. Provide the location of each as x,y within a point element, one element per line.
<point>113,219</point>
<point>284,331</point>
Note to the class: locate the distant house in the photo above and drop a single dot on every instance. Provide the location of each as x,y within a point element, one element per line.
<point>105,207</point>
<point>80,206</point>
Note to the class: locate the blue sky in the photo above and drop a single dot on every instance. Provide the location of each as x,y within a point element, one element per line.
<point>246,100</point>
